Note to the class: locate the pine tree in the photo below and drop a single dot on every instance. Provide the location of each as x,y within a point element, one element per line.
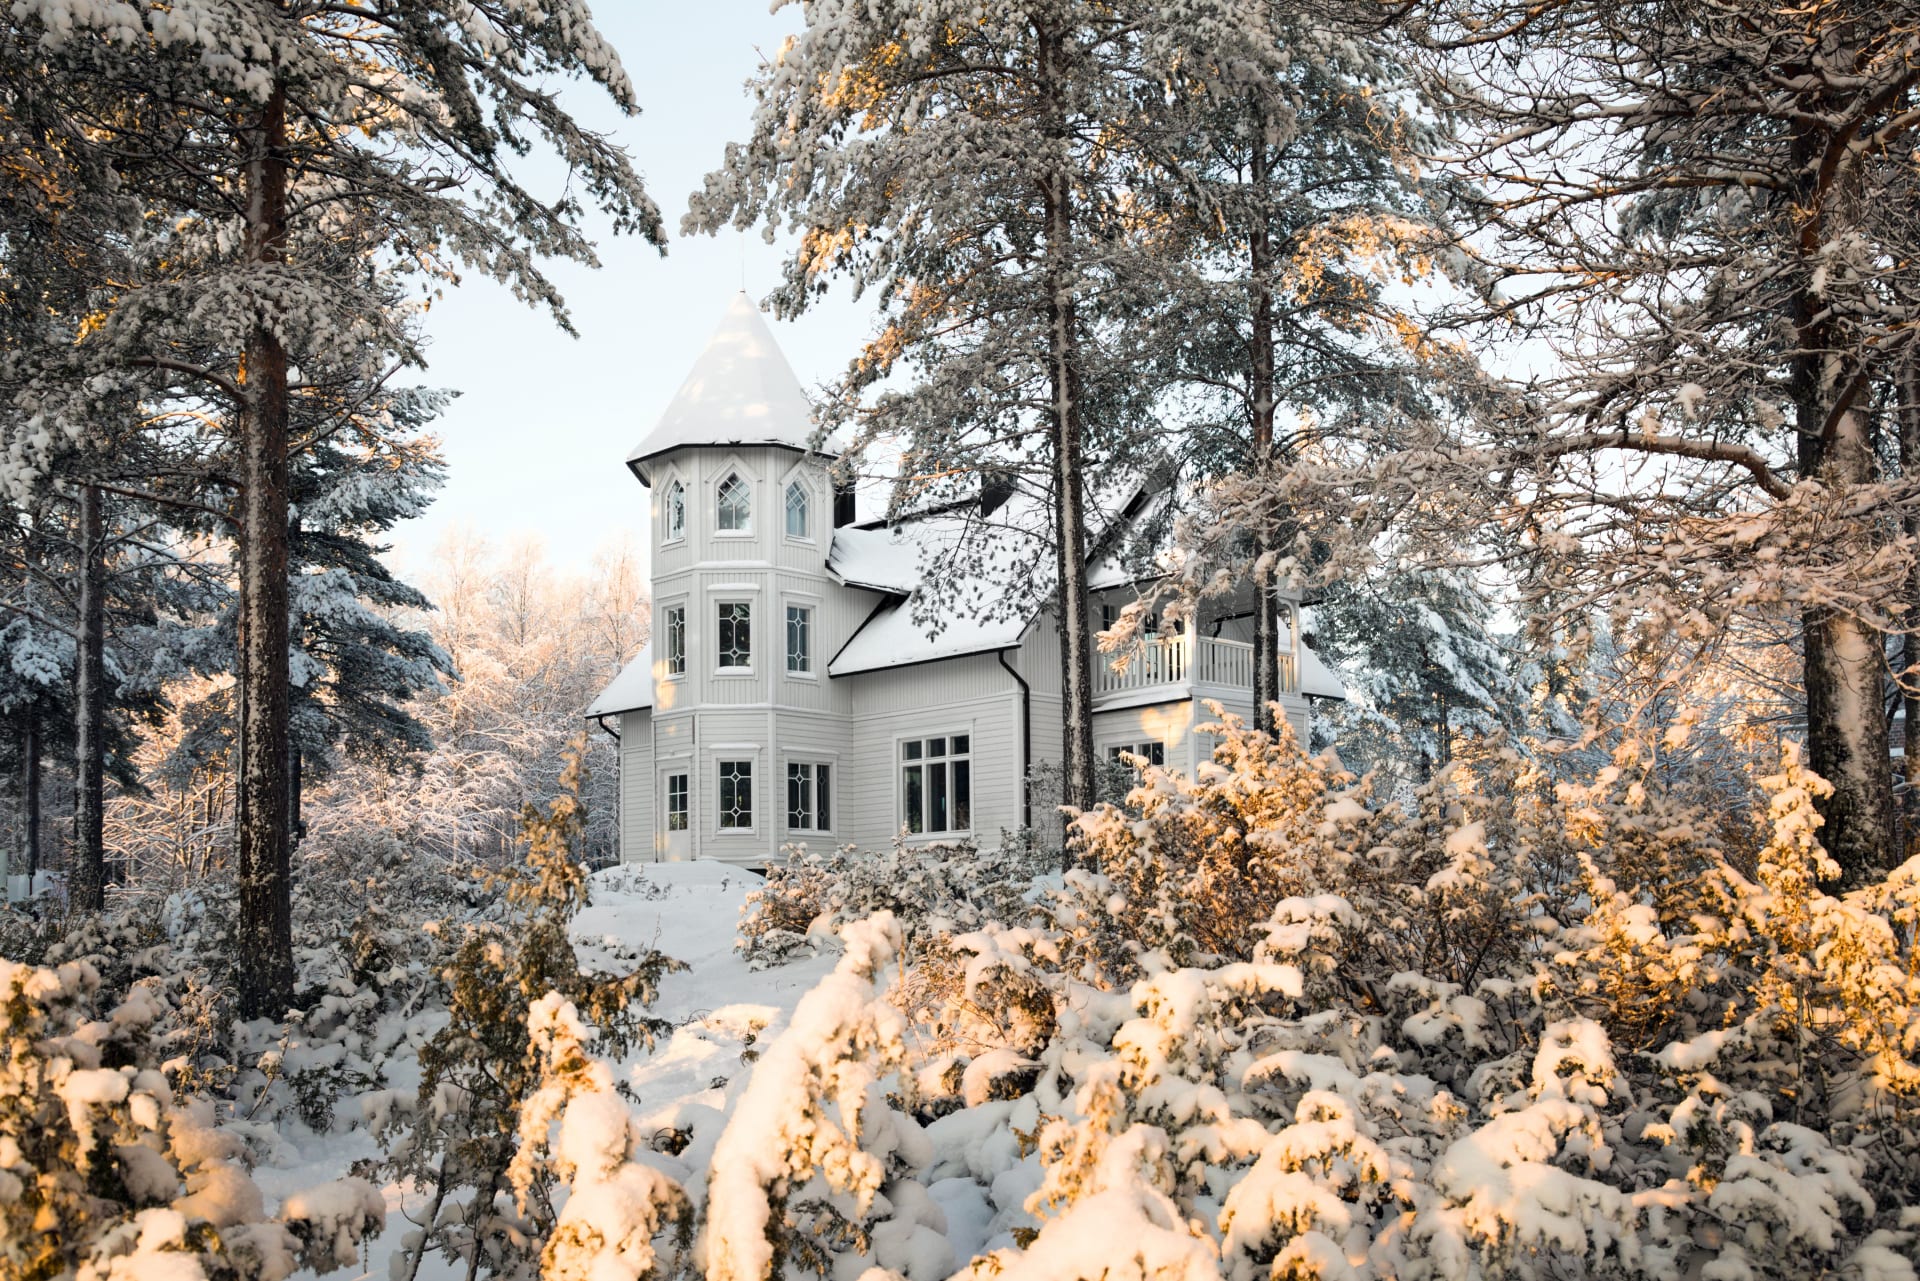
<point>979,169</point>
<point>1420,654</point>
<point>1281,331</point>
<point>1707,212</point>
<point>318,134</point>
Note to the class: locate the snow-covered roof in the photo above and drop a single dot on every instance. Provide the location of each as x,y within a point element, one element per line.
<point>882,560</point>
<point>997,574</point>
<point>742,391</point>
<point>630,691</point>
<point>1317,680</point>
<point>892,638</point>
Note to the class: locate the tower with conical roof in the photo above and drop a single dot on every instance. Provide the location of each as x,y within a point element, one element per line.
<point>795,690</point>
<point>745,727</point>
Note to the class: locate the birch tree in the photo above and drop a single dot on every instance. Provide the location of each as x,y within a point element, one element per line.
<point>276,139</point>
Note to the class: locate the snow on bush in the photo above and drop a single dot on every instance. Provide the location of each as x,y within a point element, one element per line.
<point>1511,1031</point>
<point>106,1174</point>
<point>816,1164</point>
<point>929,888</point>
<point>1510,1028</point>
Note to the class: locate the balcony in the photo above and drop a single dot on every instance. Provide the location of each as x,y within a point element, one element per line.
<point>1179,666</point>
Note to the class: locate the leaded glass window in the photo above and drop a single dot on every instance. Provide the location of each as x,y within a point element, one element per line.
<point>676,640</point>
<point>799,511</point>
<point>676,510</point>
<point>736,794</point>
<point>735,504</point>
<point>808,800</point>
<point>799,638</point>
<point>735,634</point>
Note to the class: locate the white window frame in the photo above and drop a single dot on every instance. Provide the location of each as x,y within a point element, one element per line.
<point>900,766</point>
<point>718,603</point>
<point>666,637</point>
<point>797,480</point>
<point>668,535</point>
<point>812,607</point>
<point>815,764</point>
<point>1133,747</point>
<point>684,771</point>
<point>723,757</point>
<point>734,469</point>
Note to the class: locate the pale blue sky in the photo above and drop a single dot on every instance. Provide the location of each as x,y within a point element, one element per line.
<point>535,442</point>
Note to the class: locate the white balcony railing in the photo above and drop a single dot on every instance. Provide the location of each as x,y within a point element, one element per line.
<point>1180,660</point>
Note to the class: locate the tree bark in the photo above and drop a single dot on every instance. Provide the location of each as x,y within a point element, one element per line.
<point>88,891</point>
<point>1847,740</point>
<point>1266,609</point>
<point>1909,421</point>
<point>1845,658</point>
<point>30,793</point>
<point>1077,654</point>
<point>266,918</point>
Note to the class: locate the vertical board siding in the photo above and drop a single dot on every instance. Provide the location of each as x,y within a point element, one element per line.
<point>852,723</point>
<point>636,786</point>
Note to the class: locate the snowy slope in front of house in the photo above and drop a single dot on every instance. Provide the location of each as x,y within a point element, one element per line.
<point>720,1009</point>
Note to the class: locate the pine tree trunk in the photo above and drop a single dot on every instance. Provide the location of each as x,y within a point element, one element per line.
<point>266,926</point>
<point>1845,659</point>
<point>88,891</point>
<point>1909,398</point>
<point>1077,655</point>
<point>1847,732</point>
<point>1847,740</point>
<point>30,793</point>
<point>1266,608</point>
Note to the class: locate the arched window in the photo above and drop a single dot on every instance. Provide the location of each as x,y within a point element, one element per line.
<point>799,520</point>
<point>676,510</point>
<point>735,504</point>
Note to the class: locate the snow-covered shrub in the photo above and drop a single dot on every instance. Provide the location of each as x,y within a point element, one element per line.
<point>816,1164</point>
<point>107,1173</point>
<point>616,1203</point>
<point>461,1139</point>
<point>930,888</point>
<point>1504,1031</point>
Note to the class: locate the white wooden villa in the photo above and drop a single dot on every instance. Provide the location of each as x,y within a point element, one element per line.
<point>790,694</point>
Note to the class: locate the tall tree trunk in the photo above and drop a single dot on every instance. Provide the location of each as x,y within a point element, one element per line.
<point>1847,731</point>
<point>266,924</point>
<point>1845,658</point>
<point>1077,654</point>
<point>89,865</point>
<point>1909,399</point>
<point>30,792</point>
<point>1266,608</point>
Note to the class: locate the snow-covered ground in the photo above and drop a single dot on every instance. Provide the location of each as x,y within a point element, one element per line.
<point>720,1010</point>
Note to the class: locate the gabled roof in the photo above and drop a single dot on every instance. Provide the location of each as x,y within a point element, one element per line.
<point>630,691</point>
<point>997,571</point>
<point>742,391</point>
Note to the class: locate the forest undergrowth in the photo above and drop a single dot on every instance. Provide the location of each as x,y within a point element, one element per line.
<point>1264,1027</point>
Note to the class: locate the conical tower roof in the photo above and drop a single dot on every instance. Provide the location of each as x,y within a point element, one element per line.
<point>742,391</point>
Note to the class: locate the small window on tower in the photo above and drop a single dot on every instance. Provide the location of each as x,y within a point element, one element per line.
<point>799,511</point>
<point>735,649</point>
<point>676,511</point>
<point>677,640</point>
<point>736,795</point>
<point>734,504</point>
<point>799,638</point>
